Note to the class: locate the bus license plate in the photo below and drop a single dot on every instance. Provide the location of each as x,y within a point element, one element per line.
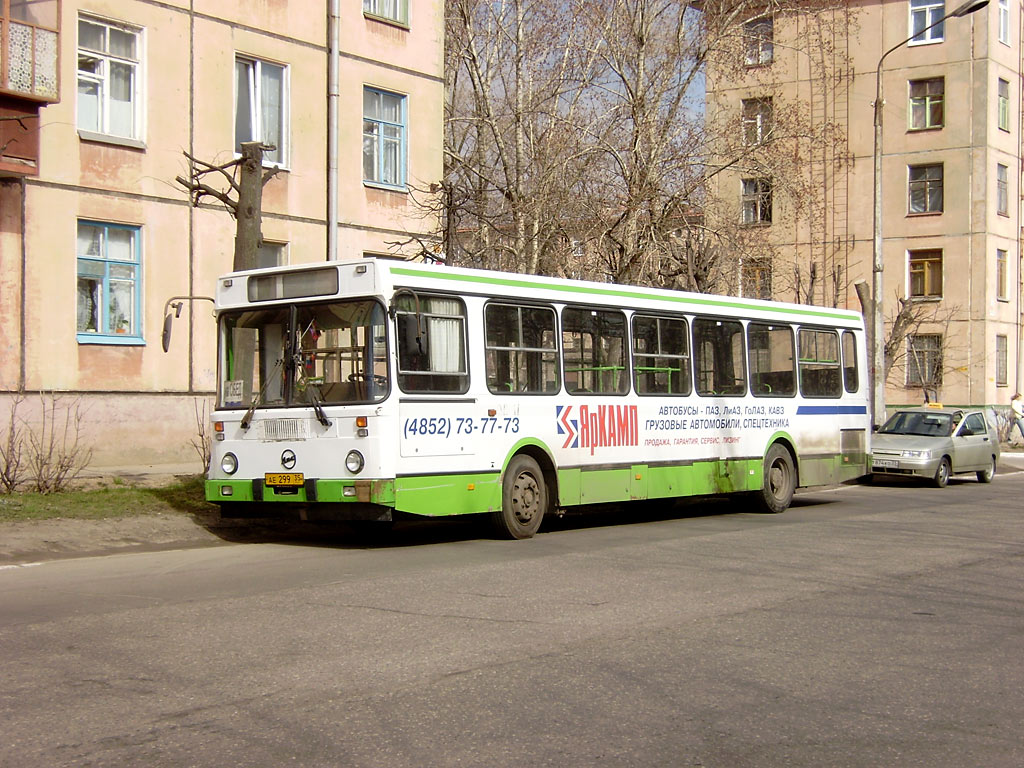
<point>892,463</point>
<point>283,479</point>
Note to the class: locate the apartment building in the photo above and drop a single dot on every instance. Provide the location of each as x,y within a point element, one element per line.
<point>106,96</point>
<point>950,179</point>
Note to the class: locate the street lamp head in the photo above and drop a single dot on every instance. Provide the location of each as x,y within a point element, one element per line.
<point>969,7</point>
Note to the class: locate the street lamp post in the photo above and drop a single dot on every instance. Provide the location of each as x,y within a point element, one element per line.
<point>877,320</point>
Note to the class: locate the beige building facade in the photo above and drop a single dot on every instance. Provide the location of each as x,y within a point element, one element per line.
<point>95,234</point>
<point>950,181</point>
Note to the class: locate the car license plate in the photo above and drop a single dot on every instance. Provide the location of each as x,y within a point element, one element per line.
<point>285,479</point>
<point>886,463</point>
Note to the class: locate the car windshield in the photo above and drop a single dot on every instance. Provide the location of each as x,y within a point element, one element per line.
<point>304,355</point>
<point>918,423</point>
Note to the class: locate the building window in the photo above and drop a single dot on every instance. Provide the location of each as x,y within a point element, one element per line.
<point>261,98</point>
<point>925,274</point>
<point>1004,21</point>
<point>109,280</point>
<point>109,78</point>
<point>757,120</point>
<point>925,188</point>
<point>1001,361</point>
<point>924,13</point>
<point>756,202</point>
<point>383,138</point>
<point>1002,190</point>
<point>392,10</point>
<point>759,42</point>
<point>927,99</point>
<point>924,360</point>
<point>1002,265</point>
<point>756,278</point>
<point>271,255</point>
<point>1004,104</point>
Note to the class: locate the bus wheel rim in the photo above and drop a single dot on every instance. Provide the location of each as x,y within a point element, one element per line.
<point>524,497</point>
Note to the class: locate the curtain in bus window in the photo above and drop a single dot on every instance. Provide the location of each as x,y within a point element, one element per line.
<point>819,363</point>
<point>445,337</point>
<point>771,355</point>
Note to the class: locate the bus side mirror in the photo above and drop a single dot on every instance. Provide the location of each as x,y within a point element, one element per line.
<point>165,337</point>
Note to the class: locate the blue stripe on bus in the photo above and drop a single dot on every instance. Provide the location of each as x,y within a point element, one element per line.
<point>830,410</point>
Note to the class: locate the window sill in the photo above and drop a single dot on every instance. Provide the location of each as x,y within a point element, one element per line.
<point>117,340</point>
<point>755,224</point>
<point>106,138</point>
<point>922,214</point>
<point>403,190</point>
<point>926,129</point>
<point>924,299</point>
<point>1004,214</point>
<point>934,41</point>
<point>385,20</point>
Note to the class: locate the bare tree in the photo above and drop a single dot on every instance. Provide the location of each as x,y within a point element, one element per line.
<point>243,179</point>
<point>578,142</point>
<point>913,319</point>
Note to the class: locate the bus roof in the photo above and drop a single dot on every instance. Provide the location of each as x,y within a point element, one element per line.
<point>386,274</point>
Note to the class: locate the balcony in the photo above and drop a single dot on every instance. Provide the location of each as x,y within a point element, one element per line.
<point>29,79</point>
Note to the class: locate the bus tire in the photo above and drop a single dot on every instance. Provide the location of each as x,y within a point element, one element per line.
<point>524,498</point>
<point>779,482</point>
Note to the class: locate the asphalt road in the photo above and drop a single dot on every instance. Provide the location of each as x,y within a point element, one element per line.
<point>866,626</point>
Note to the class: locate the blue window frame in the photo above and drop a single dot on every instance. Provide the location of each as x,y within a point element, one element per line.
<point>109,283</point>
<point>384,124</point>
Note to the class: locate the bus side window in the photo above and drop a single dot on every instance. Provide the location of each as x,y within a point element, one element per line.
<point>594,351</point>
<point>661,356</point>
<point>819,363</point>
<point>431,339</point>
<point>850,362</point>
<point>719,357</point>
<point>521,349</point>
<point>771,355</point>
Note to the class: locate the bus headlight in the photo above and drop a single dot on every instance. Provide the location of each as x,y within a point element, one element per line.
<point>229,463</point>
<point>354,462</point>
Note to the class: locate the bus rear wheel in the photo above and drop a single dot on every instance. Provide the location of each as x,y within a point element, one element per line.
<point>779,481</point>
<point>524,498</point>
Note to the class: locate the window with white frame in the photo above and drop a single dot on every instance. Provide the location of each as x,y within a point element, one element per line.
<point>1003,97</point>
<point>261,107</point>
<point>271,254</point>
<point>1004,21</point>
<point>757,120</point>
<point>109,282</point>
<point>924,13</point>
<point>924,360</point>
<point>759,41</point>
<point>384,123</point>
<point>927,103</point>
<point>756,201</point>
<point>1002,190</point>
<point>392,10</point>
<point>109,81</point>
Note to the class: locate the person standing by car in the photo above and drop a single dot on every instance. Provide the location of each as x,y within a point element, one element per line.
<point>1017,406</point>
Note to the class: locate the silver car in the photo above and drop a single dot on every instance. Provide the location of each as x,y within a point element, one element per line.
<point>935,443</point>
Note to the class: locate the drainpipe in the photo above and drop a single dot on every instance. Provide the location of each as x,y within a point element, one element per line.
<point>970,229</point>
<point>24,292</point>
<point>333,96</point>
<point>1018,283</point>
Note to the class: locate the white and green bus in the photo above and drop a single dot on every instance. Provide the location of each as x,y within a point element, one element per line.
<point>358,390</point>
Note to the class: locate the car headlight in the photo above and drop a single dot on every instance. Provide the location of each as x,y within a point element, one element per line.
<point>354,462</point>
<point>229,463</point>
<point>917,454</point>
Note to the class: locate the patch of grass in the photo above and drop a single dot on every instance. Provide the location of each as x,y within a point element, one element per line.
<point>184,497</point>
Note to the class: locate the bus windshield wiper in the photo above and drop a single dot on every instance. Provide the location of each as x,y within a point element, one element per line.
<point>314,400</point>
<point>258,400</point>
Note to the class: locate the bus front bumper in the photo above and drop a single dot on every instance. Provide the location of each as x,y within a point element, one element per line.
<point>381,492</point>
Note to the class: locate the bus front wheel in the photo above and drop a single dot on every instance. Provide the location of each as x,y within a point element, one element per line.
<point>524,497</point>
<point>779,481</point>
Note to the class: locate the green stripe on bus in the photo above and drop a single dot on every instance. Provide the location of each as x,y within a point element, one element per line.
<point>568,287</point>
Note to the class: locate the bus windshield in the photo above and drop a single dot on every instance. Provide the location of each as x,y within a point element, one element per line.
<point>306,354</point>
